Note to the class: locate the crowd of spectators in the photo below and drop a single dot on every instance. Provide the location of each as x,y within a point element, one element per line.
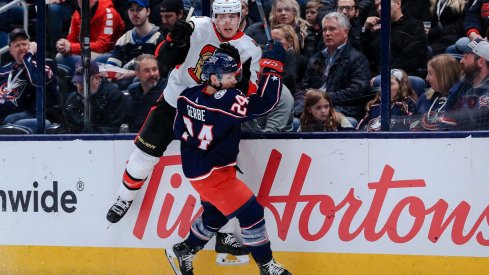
<point>331,78</point>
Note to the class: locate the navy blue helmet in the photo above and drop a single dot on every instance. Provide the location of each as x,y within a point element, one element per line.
<point>220,63</point>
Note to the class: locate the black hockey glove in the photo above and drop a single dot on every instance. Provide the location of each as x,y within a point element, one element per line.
<point>230,50</point>
<point>180,35</point>
<point>273,58</point>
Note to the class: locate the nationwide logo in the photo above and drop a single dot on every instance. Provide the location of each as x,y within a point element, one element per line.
<point>35,200</point>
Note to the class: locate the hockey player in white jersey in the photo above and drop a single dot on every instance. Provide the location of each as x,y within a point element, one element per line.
<point>186,48</point>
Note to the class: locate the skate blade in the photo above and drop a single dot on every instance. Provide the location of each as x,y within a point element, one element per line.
<point>109,225</point>
<point>173,260</point>
<point>228,259</point>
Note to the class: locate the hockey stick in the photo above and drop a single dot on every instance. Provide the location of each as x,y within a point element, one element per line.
<point>263,19</point>
<point>190,12</point>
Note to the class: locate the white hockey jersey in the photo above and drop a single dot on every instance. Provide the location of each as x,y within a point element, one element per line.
<point>204,41</point>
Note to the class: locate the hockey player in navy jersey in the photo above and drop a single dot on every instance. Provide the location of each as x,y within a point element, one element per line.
<point>189,44</point>
<point>208,124</point>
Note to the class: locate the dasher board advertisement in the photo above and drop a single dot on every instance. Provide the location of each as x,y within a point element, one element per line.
<point>374,196</point>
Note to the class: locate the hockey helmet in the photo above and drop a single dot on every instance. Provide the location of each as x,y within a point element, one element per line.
<point>226,6</point>
<point>219,64</point>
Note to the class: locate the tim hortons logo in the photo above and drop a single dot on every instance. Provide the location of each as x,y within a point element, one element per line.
<point>441,217</point>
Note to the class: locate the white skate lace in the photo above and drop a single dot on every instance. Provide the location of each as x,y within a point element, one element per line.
<point>186,260</point>
<point>120,206</point>
<point>230,240</point>
<point>273,267</point>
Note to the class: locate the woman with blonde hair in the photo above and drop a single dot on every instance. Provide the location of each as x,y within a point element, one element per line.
<point>295,64</point>
<point>403,105</point>
<point>447,17</point>
<point>287,36</point>
<point>319,114</point>
<point>288,12</point>
<point>443,72</point>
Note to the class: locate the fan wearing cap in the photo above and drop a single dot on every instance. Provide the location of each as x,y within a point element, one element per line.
<point>470,99</point>
<point>170,11</point>
<point>108,105</point>
<point>18,81</point>
<point>106,26</point>
<point>141,39</point>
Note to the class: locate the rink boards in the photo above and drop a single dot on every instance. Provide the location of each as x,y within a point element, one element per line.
<point>333,206</point>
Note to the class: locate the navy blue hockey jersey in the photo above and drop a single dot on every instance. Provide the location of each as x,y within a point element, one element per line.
<point>209,126</point>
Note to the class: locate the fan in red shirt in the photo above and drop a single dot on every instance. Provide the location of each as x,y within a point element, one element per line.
<point>106,26</point>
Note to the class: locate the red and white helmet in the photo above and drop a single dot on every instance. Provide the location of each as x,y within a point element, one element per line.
<point>226,6</point>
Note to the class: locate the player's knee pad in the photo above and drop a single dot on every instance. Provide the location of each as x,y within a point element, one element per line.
<point>138,168</point>
<point>202,231</point>
<point>252,222</point>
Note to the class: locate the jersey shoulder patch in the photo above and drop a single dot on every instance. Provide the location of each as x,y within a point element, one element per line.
<point>219,94</point>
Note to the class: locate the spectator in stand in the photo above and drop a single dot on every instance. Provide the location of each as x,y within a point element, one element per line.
<point>350,9</point>
<point>295,64</point>
<point>280,119</point>
<point>315,10</point>
<point>18,82</point>
<point>408,42</point>
<point>108,105</point>
<point>58,18</point>
<point>418,9</point>
<point>403,105</point>
<point>465,56</point>
<point>11,19</point>
<point>472,108</point>
<point>340,70</point>
<point>363,7</point>
<point>154,17</point>
<point>312,8</point>
<point>246,21</point>
<point>286,12</point>
<point>254,14</point>
<point>476,20</point>
<point>320,116</point>
<point>106,26</point>
<point>170,12</point>
<point>443,72</point>
<point>144,93</point>
<point>143,38</point>
<point>446,24</point>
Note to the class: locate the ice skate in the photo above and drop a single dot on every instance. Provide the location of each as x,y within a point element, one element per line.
<point>230,251</point>
<point>118,210</point>
<point>180,257</point>
<point>272,268</point>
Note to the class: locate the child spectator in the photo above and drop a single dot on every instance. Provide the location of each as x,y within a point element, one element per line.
<point>312,9</point>
<point>319,114</point>
<point>403,105</point>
